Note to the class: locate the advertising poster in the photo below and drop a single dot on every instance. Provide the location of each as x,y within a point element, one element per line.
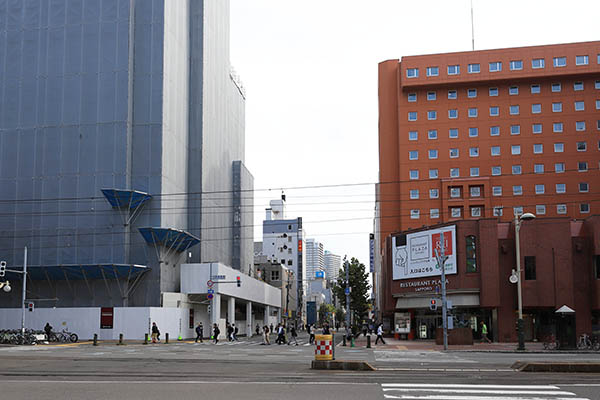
<point>414,253</point>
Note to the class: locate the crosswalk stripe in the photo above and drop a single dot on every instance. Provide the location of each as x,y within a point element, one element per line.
<point>448,397</point>
<point>458,385</point>
<point>484,391</point>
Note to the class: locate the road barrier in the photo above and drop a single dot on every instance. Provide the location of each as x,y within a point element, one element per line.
<point>167,338</point>
<point>120,339</point>
<point>324,347</point>
<point>369,342</point>
<point>145,338</point>
<point>95,339</point>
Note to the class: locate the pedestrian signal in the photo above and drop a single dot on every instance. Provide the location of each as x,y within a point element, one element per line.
<point>2,268</point>
<point>433,304</point>
<point>30,306</point>
<point>239,281</point>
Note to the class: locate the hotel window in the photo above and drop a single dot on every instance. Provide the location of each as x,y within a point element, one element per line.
<point>514,110</point>
<point>412,115</point>
<point>540,209</point>
<point>474,172</point>
<point>513,90</point>
<point>557,107</point>
<point>579,106</point>
<point>496,171</point>
<point>597,104</point>
<point>559,168</point>
<point>560,61</point>
<point>433,71</point>
<point>535,89</point>
<point>414,174</point>
<point>412,72</point>
<point>516,170</point>
<point>538,148</point>
<point>434,193</point>
<point>584,208</point>
<point>432,134</point>
<point>536,108</point>
<point>556,87</point>
<point>536,128</point>
<point>497,211</point>
<point>455,192</point>
<point>413,135</point>
<point>495,66</point>
<point>561,188</point>
<point>454,172</point>
<point>453,69</point>
<point>475,191</point>
<point>493,91</point>
<point>431,115</point>
<point>577,86</point>
<point>516,65</point>
<point>414,194</point>
<point>597,85</point>
<point>495,150</point>
<point>452,114</point>
<point>413,155</point>
<point>455,212</point>
<point>412,97</point>
<point>472,112</point>
<point>473,132</point>
<point>538,63</point>
<point>515,129</point>
<point>584,187</point>
<point>561,208</point>
<point>433,173</point>
<point>515,149</point>
<point>540,189</point>
<point>433,154</point>
<point>431,96</point>
<point>557,127</point>
<point>414,214</point>
<point>582,166</point>
<point>559,147</point>
<point>475,212</point>
<point>471,93</point>
<point>474,152</point>
<point>597,257</point>
<point>580,125</point>
<point>434,213</point>
<point>538,168</point>
<point>452,94</point>
<point>494,111</point>
<point>474,69</point>
<point>517,190</point>
<point>453,153</point>
<point>518,210</point>
<point>529,268</point>
<point>581,146</point>
<point>582,60</point>
<point>452,133</point>
<point>496,190</point>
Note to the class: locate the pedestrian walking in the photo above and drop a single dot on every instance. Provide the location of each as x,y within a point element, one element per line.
<point>257,330</point>
<point>155,333</point>
<point>199,332</point>
<point>311,334</point>
<point>229,333</point>
<point>266,340</point>
<point>235,332</point>
<point>380,334</point>
<point>48,330</point>
<point>484,332</point>
<point>326,330</point>
<point>271,329</point>
<point>216,332</point>
<point>293,335</point>
<point>280,335</point>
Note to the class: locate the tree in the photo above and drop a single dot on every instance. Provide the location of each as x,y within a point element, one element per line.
<point>326,313</point>
<point>359,288</point>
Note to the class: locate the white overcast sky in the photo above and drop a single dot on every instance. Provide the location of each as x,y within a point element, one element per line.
<point>310,72</point>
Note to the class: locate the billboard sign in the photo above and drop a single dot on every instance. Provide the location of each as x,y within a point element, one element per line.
<point>371,252</point>
<point>320,274</point>
<point>414,253</point>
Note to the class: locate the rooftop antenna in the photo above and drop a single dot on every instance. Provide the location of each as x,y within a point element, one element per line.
<point>472,29</point>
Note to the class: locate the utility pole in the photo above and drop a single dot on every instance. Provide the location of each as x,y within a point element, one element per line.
<point>441,260</point>
<point>347,295</point>
<point>24,292</point>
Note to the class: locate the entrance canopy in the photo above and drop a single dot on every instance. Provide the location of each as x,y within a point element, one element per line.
<point>565,309</point>
<point>174,239</point>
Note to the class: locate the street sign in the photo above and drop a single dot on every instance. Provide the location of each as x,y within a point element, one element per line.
<point>211,291</point>
<point>210,296</point>
<point>217,277</point>
<point>210,283</point>
<point>347,290</point>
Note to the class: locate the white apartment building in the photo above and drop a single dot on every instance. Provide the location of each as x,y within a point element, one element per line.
<point>315,259</point>
<point>333,263</point>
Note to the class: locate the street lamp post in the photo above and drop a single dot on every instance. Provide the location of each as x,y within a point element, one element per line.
<point>520,332</point>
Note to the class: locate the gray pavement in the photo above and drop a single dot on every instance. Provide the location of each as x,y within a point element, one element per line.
<point>248,370</point>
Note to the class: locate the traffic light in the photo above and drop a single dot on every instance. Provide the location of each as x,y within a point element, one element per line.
<point>2,268</point>
<point>433,304</point>
<point>239,281</point>
<point>30,306</point>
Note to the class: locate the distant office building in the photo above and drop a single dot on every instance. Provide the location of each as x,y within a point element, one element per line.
<point>315,260</point>
<point>333,263</point>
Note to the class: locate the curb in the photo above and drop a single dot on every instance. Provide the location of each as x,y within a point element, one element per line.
<point>524,366</point>
<point>342,365</point>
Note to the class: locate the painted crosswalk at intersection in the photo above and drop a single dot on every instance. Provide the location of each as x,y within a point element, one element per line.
<point>429,391</point>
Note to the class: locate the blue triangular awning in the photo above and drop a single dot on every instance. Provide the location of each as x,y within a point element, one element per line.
<point>171,238</point>
<point>131,199</point>
<point>78,271</point>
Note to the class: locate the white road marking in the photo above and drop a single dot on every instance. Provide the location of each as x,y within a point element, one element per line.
<point>458,385</point>
<point>448,397</point>
<point>477,391</point>
<point>147,382</point>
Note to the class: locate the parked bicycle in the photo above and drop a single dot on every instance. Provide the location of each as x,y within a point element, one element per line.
<point>63,337</point>
<point>550,343</point>
<point>586,342</point>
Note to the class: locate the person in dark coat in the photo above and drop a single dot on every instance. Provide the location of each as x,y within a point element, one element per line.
<point>294,335</point>
<point>257,330</point>
<point>155,333</point>
<point>216,333</point>
<point>199,332</point>
<point>48,330</point>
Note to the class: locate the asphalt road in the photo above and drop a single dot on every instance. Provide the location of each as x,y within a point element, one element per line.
<point>248,370</point>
